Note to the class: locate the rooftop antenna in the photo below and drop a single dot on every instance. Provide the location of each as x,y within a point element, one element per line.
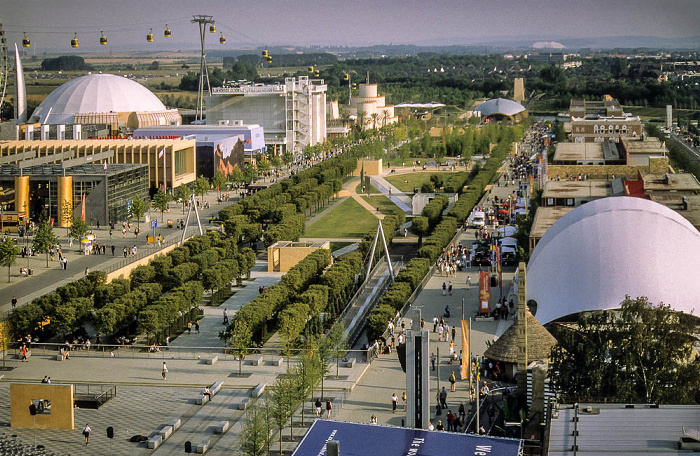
<point>203,22</point>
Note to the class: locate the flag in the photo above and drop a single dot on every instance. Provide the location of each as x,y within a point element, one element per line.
<point>82,209</point>
<point>104,166</point>
<point>663,144</point>
<point>161,153</point>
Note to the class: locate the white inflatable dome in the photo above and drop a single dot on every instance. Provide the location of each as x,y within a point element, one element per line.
<point>95,93</point>
<point>603,250</point>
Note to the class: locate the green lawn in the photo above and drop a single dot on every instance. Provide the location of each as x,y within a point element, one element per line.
<point>407,182</point>
<point>384,204</point>
<point>347,220</point>
<point>359,191</point>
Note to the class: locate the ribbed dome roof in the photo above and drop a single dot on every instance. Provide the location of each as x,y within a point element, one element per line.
<point>95,93</point>
<point>603,250</point>
<point>500,106</point>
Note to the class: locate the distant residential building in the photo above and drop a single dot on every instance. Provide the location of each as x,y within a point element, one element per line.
<point>292,114</point>
<point>598,121</point>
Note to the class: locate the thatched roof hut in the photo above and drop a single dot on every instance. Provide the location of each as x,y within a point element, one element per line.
<point>539,343</point>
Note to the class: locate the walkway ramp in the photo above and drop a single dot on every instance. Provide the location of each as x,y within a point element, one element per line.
<point>397,197</point>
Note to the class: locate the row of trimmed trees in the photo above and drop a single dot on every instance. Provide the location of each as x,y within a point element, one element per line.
<point>444,230</point>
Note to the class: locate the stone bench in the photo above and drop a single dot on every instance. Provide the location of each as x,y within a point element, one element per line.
<point>211,361</point>
<point>155,441</point>
<point>60,357</point>
<point>202,447</point>
<point>214,389</point>
<point>166,432</point>
<point>258,390</point>
<point>175,424</point>
<point>222,427</point>
<point>256,360</point>
<point>349,363</point>
<point>276,362</point>
<point>243,404</point>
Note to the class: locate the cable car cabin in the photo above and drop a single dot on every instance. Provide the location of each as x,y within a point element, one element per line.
<point>222,39</point>
<point>317,73</point>
<point>74,41</point>
<point>103,39</point>
<point>212,28</point>
<point>269,59</point>
<point>11,221</point>
<point>264,53</point>
<point>26,42</point>
<point>311,69</point>
<point>167,33</point>
<point>346,77</point>
<point>149,36</point>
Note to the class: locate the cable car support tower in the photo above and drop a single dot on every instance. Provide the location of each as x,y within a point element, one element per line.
<point>205,22</point>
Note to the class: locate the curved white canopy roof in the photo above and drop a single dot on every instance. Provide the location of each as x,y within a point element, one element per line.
<point>95,93</point>
<point>499,106</point>
<point>599,252</point>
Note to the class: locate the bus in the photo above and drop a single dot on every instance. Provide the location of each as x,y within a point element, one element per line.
<point>10,221</point>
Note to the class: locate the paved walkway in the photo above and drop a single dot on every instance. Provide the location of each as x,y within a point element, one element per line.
<point>396,196</point>
<point>45,280</point>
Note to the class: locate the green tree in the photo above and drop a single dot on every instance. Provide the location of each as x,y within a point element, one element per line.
<point>201,187</point>
<point>419,225</point>
<point>218,181</point>
<point>44,239</point>
<point>255,435</point>
<point>250,172</point>
<point>138,208</point>
<point>182,193</point>
<point>149,321</point>
<point>337,340</point>
<point>641,353</point>
<point>64,319</point>
<point>160,201</point>
<point>236,175</point>
<point>284,398</point>
<point>8,254</point>
<point>78,229</point>
<point>240,338</point>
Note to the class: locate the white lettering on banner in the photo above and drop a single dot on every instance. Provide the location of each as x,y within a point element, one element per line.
<point>482,450</point>
<point>330,437</point>
<point>415,445</point>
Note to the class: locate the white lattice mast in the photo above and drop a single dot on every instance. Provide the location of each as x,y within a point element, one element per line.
<point>380,232</point>
<point>193,205</point>
<point>203,21</point>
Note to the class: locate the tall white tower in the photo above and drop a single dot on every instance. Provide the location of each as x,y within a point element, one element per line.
<point>20,90</point>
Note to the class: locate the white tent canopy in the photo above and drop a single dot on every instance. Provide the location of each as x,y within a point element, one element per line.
<point>595,255</point>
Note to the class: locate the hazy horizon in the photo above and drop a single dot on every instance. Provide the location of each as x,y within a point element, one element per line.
<point>360,23</point>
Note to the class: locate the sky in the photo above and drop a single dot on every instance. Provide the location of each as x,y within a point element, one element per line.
<point>247,23</point>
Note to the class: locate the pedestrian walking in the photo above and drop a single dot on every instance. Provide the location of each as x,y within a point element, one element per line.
<point>403,400</point>
<point>319,406</point>
<point>196,326</point>
<point>165,371</point>
<point>14,302</point>
<point>469,282</point>
<point>113,249</point>
<point>444,288</point>
<point>86,433</point>
<point>329,408</point>
<point>454,333</point>
<point>432,360</point>
<point>443,398</point>
<point>394,402</point>
<point>435,323</point>
<point>449,287</point>
<point>189,327</point>
<point>23,352</point>
<point>453,382</point>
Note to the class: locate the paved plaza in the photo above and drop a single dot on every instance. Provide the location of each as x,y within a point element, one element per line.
<point>145,402</point>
